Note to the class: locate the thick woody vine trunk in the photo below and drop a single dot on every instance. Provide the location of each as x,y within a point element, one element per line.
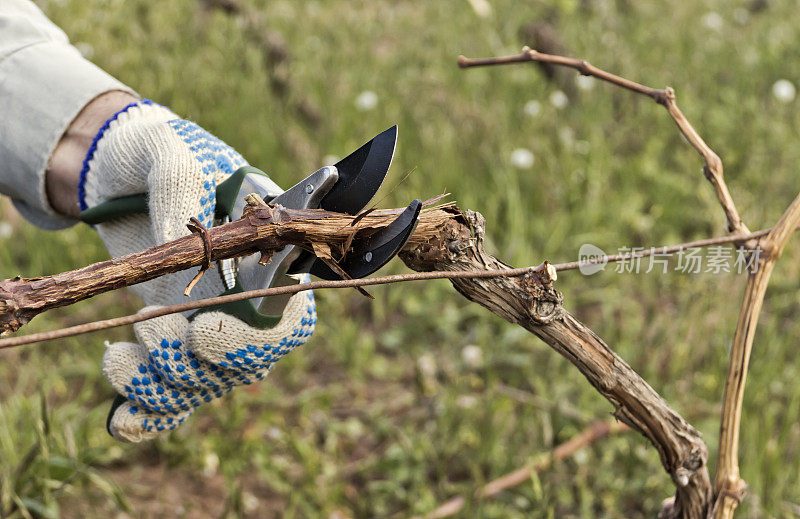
<point>532,302</point>
<point>445,239</point>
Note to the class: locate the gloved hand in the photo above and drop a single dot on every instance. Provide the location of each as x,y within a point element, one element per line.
<point>177,364</point>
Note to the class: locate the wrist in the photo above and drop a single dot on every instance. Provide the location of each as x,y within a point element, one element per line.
<point>66,162</point>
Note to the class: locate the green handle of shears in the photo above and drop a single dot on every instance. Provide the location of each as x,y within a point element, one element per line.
<point>227,191</point>
<point>116,208</point>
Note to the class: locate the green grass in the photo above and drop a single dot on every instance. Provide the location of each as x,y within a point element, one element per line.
<point>349,424</point>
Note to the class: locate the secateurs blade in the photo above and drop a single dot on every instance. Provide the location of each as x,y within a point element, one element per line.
<point>344,187</point>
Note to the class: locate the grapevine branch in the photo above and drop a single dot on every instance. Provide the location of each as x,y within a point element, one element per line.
<point>262,228</point>
<point>729,485</point>
<point>729,488</point>
<point>664,97</point>
<point>145,315</point>
<point>554,268</point>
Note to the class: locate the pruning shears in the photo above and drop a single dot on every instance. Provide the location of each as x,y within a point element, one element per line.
<point>345,187</point>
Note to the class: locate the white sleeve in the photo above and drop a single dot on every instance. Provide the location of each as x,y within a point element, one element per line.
<point>44,84</point>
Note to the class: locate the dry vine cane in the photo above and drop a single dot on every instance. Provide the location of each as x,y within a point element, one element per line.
<point>262,228</point>
<point>729,488</point>
<point>22,298</point>
<point>451,245</point>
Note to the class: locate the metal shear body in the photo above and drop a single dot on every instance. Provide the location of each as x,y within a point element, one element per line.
<point>345,187</point>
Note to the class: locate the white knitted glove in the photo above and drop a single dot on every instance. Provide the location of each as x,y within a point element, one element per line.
<point>177,364</point>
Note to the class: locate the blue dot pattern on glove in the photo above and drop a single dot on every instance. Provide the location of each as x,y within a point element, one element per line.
<point>175,380</point>
<point>214,156</point>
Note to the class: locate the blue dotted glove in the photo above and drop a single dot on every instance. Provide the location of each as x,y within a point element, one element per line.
<point>176,364</point>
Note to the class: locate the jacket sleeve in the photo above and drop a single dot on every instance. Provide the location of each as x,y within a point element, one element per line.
<point>44,84</point>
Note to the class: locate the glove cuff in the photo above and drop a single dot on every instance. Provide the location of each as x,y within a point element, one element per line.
<point>142,110</point>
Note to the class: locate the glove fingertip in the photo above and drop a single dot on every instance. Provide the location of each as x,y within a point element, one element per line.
<point>130,423</point>
<point>223,339</point>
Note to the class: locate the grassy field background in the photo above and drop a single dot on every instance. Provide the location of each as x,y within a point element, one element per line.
<point>391,409</point>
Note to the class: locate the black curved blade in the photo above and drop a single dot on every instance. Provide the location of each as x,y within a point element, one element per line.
<point>369,255</point>
<point>361,174</point>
